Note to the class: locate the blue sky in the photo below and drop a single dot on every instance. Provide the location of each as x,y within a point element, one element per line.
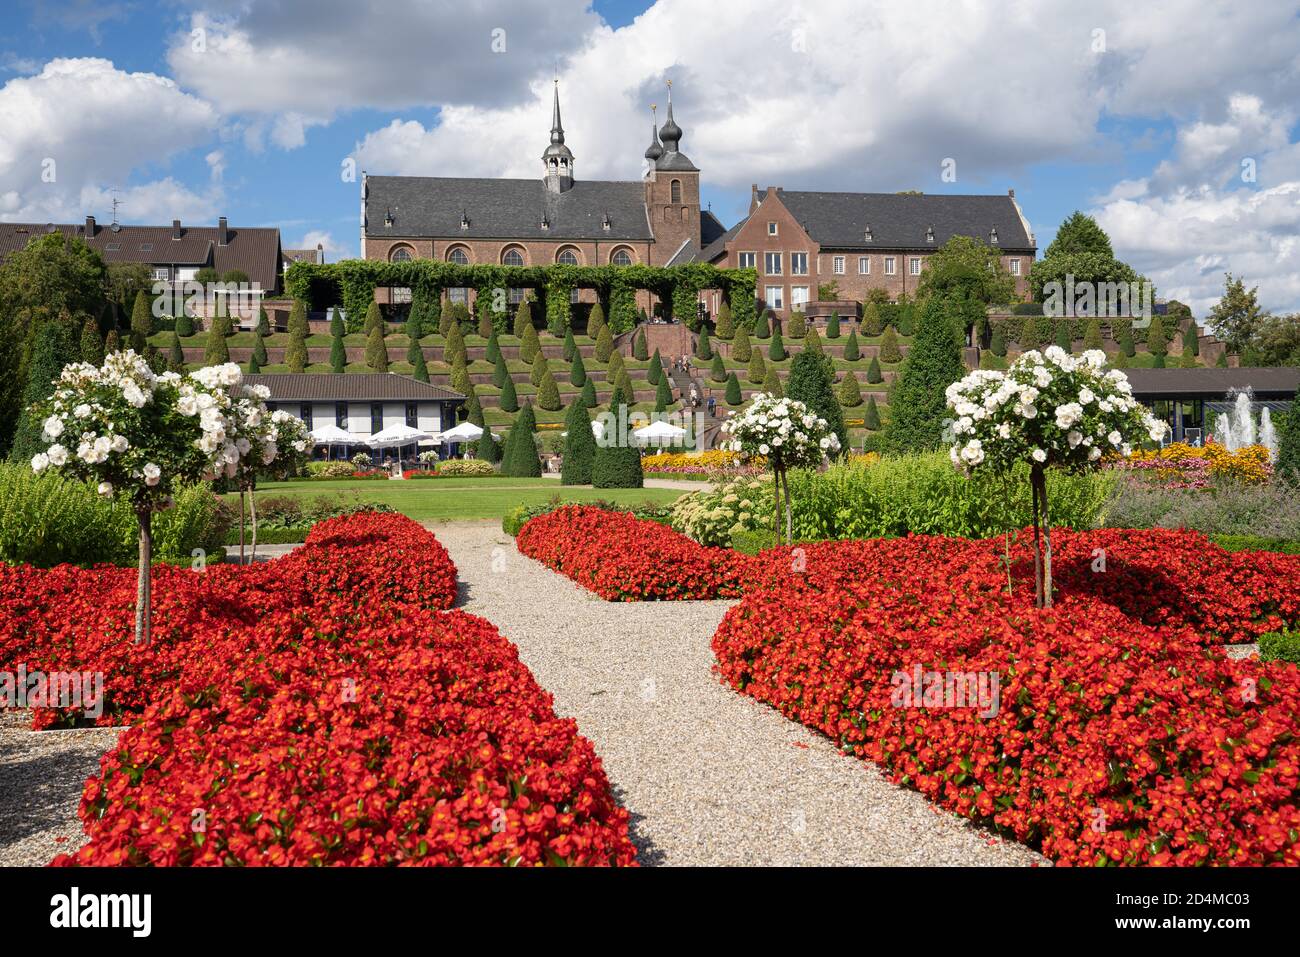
<point>249,109</point>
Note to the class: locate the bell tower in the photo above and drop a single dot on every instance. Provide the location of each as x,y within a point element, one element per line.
<point>557,160</point>
<point>672,190</point>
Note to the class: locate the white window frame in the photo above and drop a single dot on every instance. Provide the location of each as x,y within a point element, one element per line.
<point>1015,267</point>
<point>891,266</point>
<point>768,258</point>
<point>914,266</point>
<point>864,265</point>
<point>774,296</point>
<point>161,273</point>
<point>400,294</point>
<point>458,294</point>
<point>799,296</point>
<point>746,260</point>
<point>839,265</point>
<point>771,229</point>
<point>794,264</point>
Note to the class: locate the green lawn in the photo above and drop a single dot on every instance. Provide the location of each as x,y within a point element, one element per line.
<point>434,500</point>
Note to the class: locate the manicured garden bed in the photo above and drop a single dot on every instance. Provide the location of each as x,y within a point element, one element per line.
<point>322,709</point>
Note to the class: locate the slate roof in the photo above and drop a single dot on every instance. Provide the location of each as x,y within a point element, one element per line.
<point>253,250</point>
<point>900,220</point>
<point>710,231</point>
<point>349,386</point>
<point>504,208</point>
<point>1281,381</point>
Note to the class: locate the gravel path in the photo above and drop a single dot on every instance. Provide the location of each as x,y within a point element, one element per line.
<point>710,776</point>
<point>41,777</point>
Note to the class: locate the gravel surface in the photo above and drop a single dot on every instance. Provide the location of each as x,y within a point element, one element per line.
<point>41,777</point>
<point>709,775</point>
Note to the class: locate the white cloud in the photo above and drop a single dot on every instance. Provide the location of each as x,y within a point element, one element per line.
<point>81,127</point>
<point>334,250</point>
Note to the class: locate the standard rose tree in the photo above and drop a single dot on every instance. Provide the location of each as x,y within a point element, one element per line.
<point>787,435</point>
<point>1051,410</point>
<point>269,443</point>
<point>134,434</point>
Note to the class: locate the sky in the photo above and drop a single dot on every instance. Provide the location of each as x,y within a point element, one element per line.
<point>1174,122</point>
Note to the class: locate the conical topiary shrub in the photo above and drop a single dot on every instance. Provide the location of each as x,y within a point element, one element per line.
<point>640,351</point>
<point>772,383</point>
<point>655,370</point>
<point>589,394</point>
<point>616,466</point>
<point>509,400</point>
<point>733,394</point>
<point>798,327</point>
<point>725,328</point>
<point>871,417</point>
<point>833,326</point>
<point>889,350</point>
<point>420,372</point>
<point>577,370</point>
<point>579,446</point>
<point>487,448</point>
<point>813,342</point>
<point>850,395</point>
<point>741,347</point>
<point>523,318</point>
<point>763,327</point>
<point>703,349</point>
<point>520,459</point>
<point>376,350</point>
<point>548,394</point>
<point>604,345</point>
<point>998,346</point>
<point>663,395</point>
<point>873,324</point>
<point>717,371</point>
<point>874,375</point>
<point>852,351</point>
<point>757,371</point>
<point>500,372</point>
<point>776,351</point>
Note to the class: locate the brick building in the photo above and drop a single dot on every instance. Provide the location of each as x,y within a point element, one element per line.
<point>557,218</point>
<point>861,241</point>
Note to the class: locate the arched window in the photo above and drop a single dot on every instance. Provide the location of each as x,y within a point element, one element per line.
<point>675,190</point>
<point>401,254</point>
<point>621,257</point>
<point>458,256</point>
<point>398,294</point>
<point>568,256</point>
<point>512,257</point>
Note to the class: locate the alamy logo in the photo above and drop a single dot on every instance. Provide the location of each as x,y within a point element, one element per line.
<point>57,689</point>
<point>946,689</point>
<point>75,909</point>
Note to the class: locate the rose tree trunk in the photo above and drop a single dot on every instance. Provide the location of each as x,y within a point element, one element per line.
<point>144,578</point>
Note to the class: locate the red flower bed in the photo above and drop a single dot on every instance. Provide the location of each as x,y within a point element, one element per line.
<point>319,709</point>
<point>1112,742</point>
<point>624,558</point>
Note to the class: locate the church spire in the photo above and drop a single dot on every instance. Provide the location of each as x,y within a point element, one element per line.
<point>654,150</point>
<point>557,160</point>
<point>670,133</point>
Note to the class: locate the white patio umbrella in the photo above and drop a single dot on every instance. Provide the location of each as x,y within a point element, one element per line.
<point>658,433</point>
<point>330,435</point>
<point>465,432</point>
<point>399,435</point>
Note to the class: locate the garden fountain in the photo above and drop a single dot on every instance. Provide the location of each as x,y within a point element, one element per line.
<point>1237,429</point>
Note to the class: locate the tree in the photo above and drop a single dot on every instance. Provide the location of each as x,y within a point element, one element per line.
<point>741,348</point>
<point>493,351</point>
<point>540,365</point>
<point>570,346</point>
<point>1157,342</point>
<point>376,350</point>
<point>999,344</point>
<point>1288,451</point>
<point>969,269</point>
<point>871,417</point>
<point>1276,342</point>
<point>460,381</point>
<point>414,333</point>
<point>53,274</point>
<point>184,325</point>
<point>717,371</point>
<point>579,446</point>
<point>215,351</point>
<point>509,400</point>
<point>663,395</point>
<point>833,326</point>
<point>596,321</point>
<point>578,371</point>
<point>852,352</point>
<point>298,323</point>
<point>1064,336</point>
<point>934,362</point>
<point>604,344</point>
<point>337,328</point>
<point>176,357</point>
<point>1127,346</point>
<point>338,351</point>
<point>485,324</point>
<point>813,342</point>
<point>374,318</point>
<point>772,383</point>
<point>295,353</point>
<point>263,321</point>
<point>1235,316</point>
<point>654,371</point>
<point>874,375</point>
<point>1191,339</point>
<point>1082,251</point>
<point>889,348</point>
<point>640,350</point>
<point>798,326</point>
<point>873,323</point>
<point>589,394</point>
<point>703,350</point>
<point>55,346</point>
<point>112,343</point>
<point>523,319</point>
<point>420,371</point>
<point>519,459</point>
<point>763,326</point>
<point>725,328</point>
<point>473,410</point>
<point>455,344</point>
<point>259,349</point>
<point>850,395</point>
<point>733,394</point>
<point>141,322</point>
<point>92,345</point>
<point>757,371</point>
<point>615,465</point>
<point>812,382</point>
<point>548,394</point>
<point>906,321</point>
<point>500,371</point>
<point>1092,335</point>
<point>776,351</point>
<point>487,448</point>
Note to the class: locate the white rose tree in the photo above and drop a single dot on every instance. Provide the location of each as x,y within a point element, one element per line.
<point>269,443</point>
<point>1050,410</point>
<point>134,434</point>
<point>787,435</point>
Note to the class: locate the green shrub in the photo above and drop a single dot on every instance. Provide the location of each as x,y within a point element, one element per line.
<point>934,362</point>
<point>509,400</point>
<point>852,352</point>
<point>757,371</point>
<point>871,417</point>
<point>1256,543</point>
<point>640,351</point>
<point>184,325</point>
<point>873,324</point>
<point>548,394</point>
<point>763,325</point>
<point>703,350</point>
<point>725,327</point>
<point>466,468</point>
<point>999,344</point>
<point>614,466</point>
<point>798,326</point>
<point>874,375</point>
<point>579,446</point>
<point>47,520</point>
<point>717,370</point>
<point>833,326</point>
<point>604,345</point>
<point>1280,646</point>
<point>850,395</point>
<point>772,383</point>
<point>733,394</point>
<point>889,348</point>
<point>776,351</point>
<point>655,370</point>
<point>741,348</point>
<point>519,458</point>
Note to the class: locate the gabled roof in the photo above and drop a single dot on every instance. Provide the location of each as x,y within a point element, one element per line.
<point>349,386</point>
<point>901,220</point>
<point>711,230</point>
<point>714,249</point>
<point>504,208</point>
<point>1276,381</point>
<point>252,250</point>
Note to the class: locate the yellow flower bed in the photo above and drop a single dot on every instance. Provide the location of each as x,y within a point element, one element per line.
<point>712,460</point>
<point>1249,465</point>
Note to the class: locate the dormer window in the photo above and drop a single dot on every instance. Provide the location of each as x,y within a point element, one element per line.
<point>866,235</point>
<point>929,235</point>
<point>546,223</point>
<point>605,224</point>
<point>993,236</point>
<point>388,218</point>
<point>464,221</point>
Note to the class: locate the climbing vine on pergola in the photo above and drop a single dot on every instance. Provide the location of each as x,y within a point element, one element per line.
<point>352,284</point>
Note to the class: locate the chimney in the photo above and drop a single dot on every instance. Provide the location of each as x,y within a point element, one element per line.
<point>753,196</point>
<point>223,232</point>
<point>1011,193</point>
<point>176,229</point>
<point>320,253</point>
<point>90,226</point>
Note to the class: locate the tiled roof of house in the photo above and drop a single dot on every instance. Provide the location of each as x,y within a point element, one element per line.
<point>348,386</point>
<point>902,220</point>
<point>1276,381</point>
<point>504,208</point>
<point>254,251</point>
